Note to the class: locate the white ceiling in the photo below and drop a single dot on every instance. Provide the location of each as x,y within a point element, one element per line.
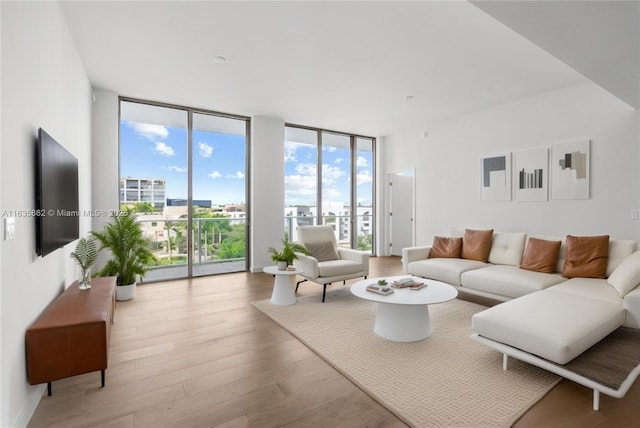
<point>344,66</point>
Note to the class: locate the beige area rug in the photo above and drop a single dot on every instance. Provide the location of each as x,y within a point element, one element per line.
<point>447,380</point>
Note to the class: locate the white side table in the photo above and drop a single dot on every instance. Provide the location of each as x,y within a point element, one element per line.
<point>282,293</point>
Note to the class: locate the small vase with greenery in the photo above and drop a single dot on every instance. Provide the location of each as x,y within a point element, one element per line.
<point>130,251</point>
<point>287,255</point>
<point>85,254</point>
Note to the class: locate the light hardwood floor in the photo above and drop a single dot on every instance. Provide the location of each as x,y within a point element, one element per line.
<point>195,353</point>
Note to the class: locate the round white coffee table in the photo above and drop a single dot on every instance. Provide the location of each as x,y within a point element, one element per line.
<point>282,293</point>
<point>404,315</point>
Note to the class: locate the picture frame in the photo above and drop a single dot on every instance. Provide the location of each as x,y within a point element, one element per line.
<point>531,175</point>
<point>570,170</point>
<point>495,180</point>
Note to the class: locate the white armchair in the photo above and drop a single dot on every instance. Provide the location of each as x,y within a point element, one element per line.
<point>326,262</point>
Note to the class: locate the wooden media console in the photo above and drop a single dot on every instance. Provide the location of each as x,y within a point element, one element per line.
<point>71,336</point>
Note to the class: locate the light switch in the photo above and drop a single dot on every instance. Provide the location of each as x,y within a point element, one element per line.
<point>9,227</point>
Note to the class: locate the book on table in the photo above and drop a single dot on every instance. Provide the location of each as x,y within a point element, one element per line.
<point>379,289</point>
<point>407,283</point>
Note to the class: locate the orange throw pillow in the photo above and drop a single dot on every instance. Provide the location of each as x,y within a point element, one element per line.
<point>541,255</point>
<point>587,257</point>
<point>442,247</point>
<point>476,244</point>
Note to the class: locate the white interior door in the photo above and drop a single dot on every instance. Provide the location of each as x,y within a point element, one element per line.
<point>401,213</point>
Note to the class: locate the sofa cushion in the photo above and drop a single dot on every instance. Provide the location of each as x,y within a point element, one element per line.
<point>563,248</point>
<point>445,247</point>
<point>322,251</point>
<point>446,270</point>
<point>338,267</point>
<point>553,325</point>
<point>476,244</point>
<point>586,256</point>
<point>619,249</point>
<point>508,281</point>
<point>541,255</point>
<point>507,248</point>
<point>626,277</point>
<point>593,288</point>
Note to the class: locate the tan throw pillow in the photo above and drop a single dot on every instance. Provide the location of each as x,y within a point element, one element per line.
<point>587,257</point>
<point>476,244</point>
<point>323,251</point>
<point>442,247</point>
<point>541,255</point>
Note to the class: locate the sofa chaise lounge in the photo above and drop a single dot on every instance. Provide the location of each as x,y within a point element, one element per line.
<point>553,309</point>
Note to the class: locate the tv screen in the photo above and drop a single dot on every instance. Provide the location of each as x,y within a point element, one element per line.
<point>57,221</point>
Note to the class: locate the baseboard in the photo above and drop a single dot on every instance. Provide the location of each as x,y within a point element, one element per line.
<point>29,407</point>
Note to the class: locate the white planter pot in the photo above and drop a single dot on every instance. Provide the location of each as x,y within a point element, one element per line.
<point>282,265</point>
<point>126,292</point>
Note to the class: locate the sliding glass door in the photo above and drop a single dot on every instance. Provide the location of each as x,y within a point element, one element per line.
<point>329,179</point>
<point>184,174</point>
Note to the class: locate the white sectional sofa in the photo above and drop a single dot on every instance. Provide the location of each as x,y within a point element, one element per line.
<point>546,318</point>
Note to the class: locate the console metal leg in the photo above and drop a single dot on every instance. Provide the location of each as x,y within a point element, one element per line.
<point>324,292</point>
<point>505,361</point>
<point>49,389</point>
<point>102,377</point>
<point>596,400</point>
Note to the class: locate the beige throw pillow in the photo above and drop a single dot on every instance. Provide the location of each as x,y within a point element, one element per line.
<point>445,247</point>
<point>587,257</point>
<point>322,251</point>
<point>476,244</point>
<point>541,255</point>
<point>626,277</point>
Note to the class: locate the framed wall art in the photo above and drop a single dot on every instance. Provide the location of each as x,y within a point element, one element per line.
<point>531,175</point>
<point>496,177</point>
<point>569,167</point>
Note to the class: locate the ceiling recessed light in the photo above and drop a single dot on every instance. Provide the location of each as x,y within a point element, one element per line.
<point>220,59</point>
<point>408,97</point>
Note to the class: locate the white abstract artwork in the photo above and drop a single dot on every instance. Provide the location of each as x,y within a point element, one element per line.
<point>496,178</point>
<point>531,175</point>
<point>569,167</point>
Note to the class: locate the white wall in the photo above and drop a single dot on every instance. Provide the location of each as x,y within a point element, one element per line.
<point>267,189</point>
<point>448,165</point>
<point>44,84</point>
<point>106,155</point>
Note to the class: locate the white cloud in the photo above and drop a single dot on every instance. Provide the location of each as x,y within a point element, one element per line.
<point>149,131</point>
<point>307,169</point>
<point>339,160</point>
<point>175,169</point>
<point>164,149</point>
<point>215,174</point>
<point>239,175</point>
<point>331,173</point>
<point>362,161</point>
<point>363,177</point>
<point>290,148</point>
<point>205,150</point>
<point>300,185</point>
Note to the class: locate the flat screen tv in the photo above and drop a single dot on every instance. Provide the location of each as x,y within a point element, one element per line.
<point>57,221</point>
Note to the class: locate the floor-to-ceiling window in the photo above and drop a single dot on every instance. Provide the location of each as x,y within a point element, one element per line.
<point>184,173</point>
<point>329,179</point>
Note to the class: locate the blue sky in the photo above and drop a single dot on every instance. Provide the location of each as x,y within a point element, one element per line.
<point>301,172</point>
<point>155,151</point>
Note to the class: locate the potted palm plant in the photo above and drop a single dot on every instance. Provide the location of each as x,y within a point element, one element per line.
<point>287,255</point>
<point>85,255</point>
<point>130,251</point>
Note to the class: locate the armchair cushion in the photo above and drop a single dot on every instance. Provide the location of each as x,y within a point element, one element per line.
<point>322,251</point>
<point>338,268</point>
